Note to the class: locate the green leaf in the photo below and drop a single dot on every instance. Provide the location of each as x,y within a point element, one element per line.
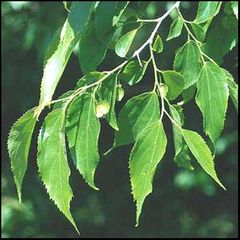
<point>181,157</point>
<point>207,10</point>
<point>158,45</point>
<point>201,152</point>
<point>108,91</point>
<point>91,50</point>
<point>82,129</point>
<point>175,29</point>
<point>138,113</point>
<point>90,78</point>
<point>121,6</point>
<point>212,98</point>
<point>189,93</point>
<point>198,31</point>
<point>145,156</point>
<point>56,63</point>
<point>175,83</point>
<point>234,5</point>
<point>233,89</point>
<point>19,141</point>
<point>103,18</point>
<point>52,46</point>
<point>123,44</point>
<point>218,44</point>
<point>52,162</point>
<point>133,72</point>
<point>107,16</point>
<point>187,62</point>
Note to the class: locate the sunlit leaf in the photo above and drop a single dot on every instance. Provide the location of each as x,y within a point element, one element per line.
<point>52,162</point>
<point>82,130</point>
<point>175,83</point>
<point>212,98</point>
<point>123,44</point>
<point>175,29</point>
<point>207,10</point>
<point>147,152</point>
<point>187,62</point>
<point>201,152</point>
<point>138,113</point>
<point>56,63</point>
<point>158,45</point>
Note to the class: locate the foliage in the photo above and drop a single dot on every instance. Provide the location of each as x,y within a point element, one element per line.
<point>140,121</point>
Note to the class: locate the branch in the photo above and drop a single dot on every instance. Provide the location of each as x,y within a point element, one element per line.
<point>159,21</point>
<point>136,54</point>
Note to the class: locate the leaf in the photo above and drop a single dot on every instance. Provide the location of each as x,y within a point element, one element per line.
<point>18,144</point>
<point>198,31</point>
<point>201,152</point>
<point>90,78</point>
<point>234,5</point>
<point>147,152</point>
<point>207,10</point>
<point>218,44</point>
<point>158,45</point>
<point>91,50</point>
<point>56,63</point>
<point>82,129</point>
<point>189,93</point>
<point>52,162</point>
<point>52,46</point>
<point>107,16</point>
<point>123,44</point>
<point>233,88</point>
<point>181,157</point>
<point>138,113</point>
<point>108,91</point>
<point>187,62</point>
<point>133,72</point>
<point>175,29</point>
<point>121,6</point>
<point>103,18</point>
<point>175,83</point>
<point>212,98</point>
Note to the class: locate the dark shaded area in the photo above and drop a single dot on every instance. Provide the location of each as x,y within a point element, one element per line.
<point>183,203</point>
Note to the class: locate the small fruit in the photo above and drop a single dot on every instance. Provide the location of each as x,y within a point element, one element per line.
<point>120,93</point>
<point>163,90</point>
<point>102,108</point>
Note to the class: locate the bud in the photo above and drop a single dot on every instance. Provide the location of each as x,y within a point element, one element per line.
<point>163,89</point>
<point>102,109</point>
<point>120,93</point>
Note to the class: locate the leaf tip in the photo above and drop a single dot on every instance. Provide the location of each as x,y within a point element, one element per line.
<point>222,186</point>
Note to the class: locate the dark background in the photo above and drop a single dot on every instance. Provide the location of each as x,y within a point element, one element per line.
<point>183,203</point>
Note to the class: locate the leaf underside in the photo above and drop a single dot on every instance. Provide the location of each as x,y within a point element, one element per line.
<point>19,141</point>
